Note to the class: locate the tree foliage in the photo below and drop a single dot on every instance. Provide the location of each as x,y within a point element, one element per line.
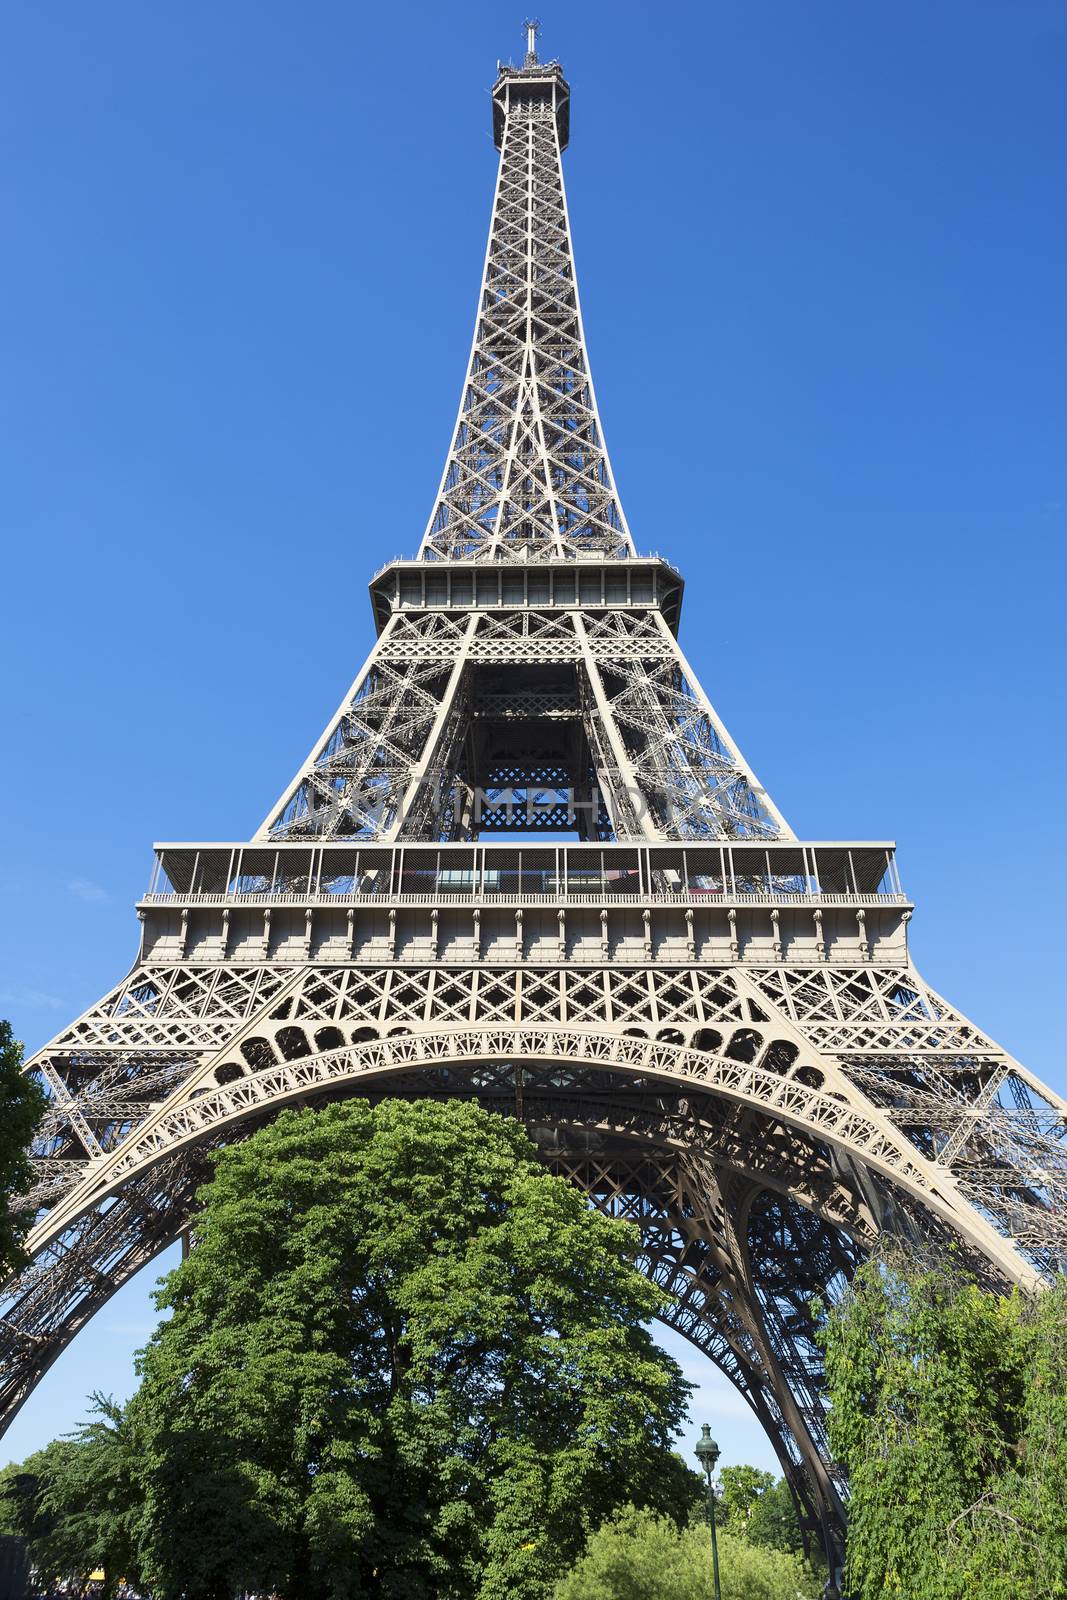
<point>77,1503</point>
<point>640,1556</point>
<point>21,1105</point>
<point>949,1412</point>
<point>403,1360</point>
<point>773,1522</point>
<point>758,1507</point>
<point>739,1489</point>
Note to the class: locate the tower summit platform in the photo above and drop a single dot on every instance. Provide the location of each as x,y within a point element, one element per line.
<point>538,85</point>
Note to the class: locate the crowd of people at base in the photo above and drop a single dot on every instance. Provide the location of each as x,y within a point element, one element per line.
<point>72,1589</point>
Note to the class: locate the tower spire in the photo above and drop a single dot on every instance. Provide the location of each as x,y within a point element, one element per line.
<point>533,28</point>
<point>628,744</point>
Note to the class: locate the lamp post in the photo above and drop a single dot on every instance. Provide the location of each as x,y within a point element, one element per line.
<point>707,1453</point>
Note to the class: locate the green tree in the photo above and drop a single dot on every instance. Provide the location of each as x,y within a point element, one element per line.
<point>949,1412</point>
<point>21,1105</point>
<point>21,1513</point>
<point>773,1521</point>
<point>739,1489</point>
<point>640,1556</point>
<point>759,1507</point>
<point>77,1503</point>
<point>403,1360</point>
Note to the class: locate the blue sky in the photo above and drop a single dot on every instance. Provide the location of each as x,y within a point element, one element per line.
<point>822,256</point>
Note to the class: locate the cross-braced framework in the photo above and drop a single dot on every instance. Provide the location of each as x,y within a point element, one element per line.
<point>711,1027</point>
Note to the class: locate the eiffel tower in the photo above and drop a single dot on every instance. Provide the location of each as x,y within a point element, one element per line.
<point>526,863</point>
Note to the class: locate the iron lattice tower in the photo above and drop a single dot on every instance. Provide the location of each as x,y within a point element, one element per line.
<point>711,1026</point>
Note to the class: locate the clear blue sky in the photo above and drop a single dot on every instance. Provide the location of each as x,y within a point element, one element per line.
<point>822,256</point>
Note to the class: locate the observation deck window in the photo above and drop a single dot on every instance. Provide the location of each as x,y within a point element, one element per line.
<point>338,872</point>
<point>254,873</point>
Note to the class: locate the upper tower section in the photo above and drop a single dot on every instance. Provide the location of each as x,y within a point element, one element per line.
<point>528,477</point>
<point>534,83</point>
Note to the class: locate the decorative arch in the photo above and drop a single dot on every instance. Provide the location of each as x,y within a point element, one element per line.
<point>731,1115</point>
<point>800,1098</point>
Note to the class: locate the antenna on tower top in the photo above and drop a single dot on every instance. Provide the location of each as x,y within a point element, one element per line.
<point>533,28</point>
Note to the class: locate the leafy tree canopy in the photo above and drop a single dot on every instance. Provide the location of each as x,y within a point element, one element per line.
<point>949,1412</point>
<point>403,1361</point>
<point>20,1488</point>
<point>759,1507</point>
<point>773,1521</point>
<point>77,1503</point>
<point>640,1556</point>
<point>21,1105</point>
<point>739,1489</point>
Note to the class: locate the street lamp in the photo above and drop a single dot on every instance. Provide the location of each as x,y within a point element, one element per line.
<point>707,1453</point>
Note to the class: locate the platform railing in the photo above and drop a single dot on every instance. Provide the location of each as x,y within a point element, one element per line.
<point>449,897</point>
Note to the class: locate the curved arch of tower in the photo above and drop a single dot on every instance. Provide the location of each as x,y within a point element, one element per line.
<point>713,1027</point>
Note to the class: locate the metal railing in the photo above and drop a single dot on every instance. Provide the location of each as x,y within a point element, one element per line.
<point>719,898</point>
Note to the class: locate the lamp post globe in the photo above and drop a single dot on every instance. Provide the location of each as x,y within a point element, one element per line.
<point>707,1453</point>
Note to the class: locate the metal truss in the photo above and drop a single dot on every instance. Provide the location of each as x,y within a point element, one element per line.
<point>528,476</point>
<point>398,760</point>
<point>712,1028</point>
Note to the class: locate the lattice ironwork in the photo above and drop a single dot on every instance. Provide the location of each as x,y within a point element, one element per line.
<point>723,1040</point>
